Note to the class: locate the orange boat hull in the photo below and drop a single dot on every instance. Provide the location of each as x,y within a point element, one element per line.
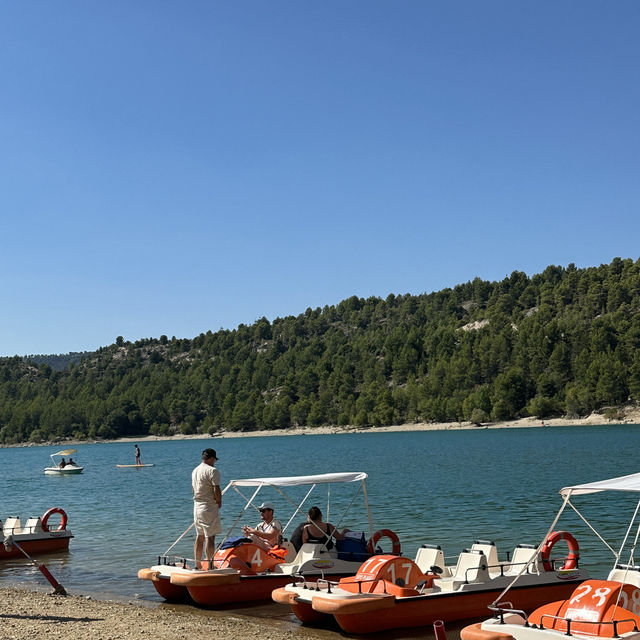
<point>423,611</point>
<point>36,547</point>
<point>164,586</point>
<point>302,610</point>
<point>247,589</point>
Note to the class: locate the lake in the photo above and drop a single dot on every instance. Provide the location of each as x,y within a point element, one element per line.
<point>444,487</point>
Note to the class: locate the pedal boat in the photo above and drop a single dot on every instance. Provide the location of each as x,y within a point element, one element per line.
<point>68,470</point>
<point>243,571</point>
<point>391,592</point>
<point>596,608</point>
<point>36,537</point>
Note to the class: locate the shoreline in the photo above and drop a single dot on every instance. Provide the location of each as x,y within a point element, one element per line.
<point>631,417</point>
<point>33,613</point>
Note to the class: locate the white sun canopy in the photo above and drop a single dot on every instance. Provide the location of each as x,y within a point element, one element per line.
<point>623,483</point>
<point>64,452</point>
<point>291,481</point>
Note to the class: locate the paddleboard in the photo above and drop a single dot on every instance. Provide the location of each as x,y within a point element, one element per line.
<point>133,466</point>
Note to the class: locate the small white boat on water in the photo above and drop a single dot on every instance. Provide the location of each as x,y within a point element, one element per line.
<point>57,467</point>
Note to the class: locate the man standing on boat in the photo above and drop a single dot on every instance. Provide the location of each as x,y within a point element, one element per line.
<point>138,461</point>
<point>207,500</point>
<point>268,533</point>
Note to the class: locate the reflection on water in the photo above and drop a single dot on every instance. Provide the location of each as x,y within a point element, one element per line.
<point>445,487</point>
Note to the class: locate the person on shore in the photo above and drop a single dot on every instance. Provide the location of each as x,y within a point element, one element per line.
<point>138,461</point>
<point>320,532</point>
<point>268,532</point>
<point>62,464</point>
<point>207,500</point>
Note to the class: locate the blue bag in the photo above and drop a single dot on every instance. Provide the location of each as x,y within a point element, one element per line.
<point>234,542</point>
<point>353,547</point>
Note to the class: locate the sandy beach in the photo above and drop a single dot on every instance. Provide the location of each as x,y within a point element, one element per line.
<point>26,614</point>
<point>628,416</point>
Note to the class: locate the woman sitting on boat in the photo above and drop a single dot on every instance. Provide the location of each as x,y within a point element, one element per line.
<point>320,532</point>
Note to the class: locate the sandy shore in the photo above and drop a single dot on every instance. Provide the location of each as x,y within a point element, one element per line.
<point>25,615</point>
<point>631,416</point>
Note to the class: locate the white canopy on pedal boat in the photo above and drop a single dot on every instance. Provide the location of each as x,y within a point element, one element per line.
<point>278,482</point>
<point>623,483</point>
<point>292,481</point>
<point>64,452</point>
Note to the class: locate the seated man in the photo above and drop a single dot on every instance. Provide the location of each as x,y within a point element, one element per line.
<point>62,464</point>
<point>269,532</point>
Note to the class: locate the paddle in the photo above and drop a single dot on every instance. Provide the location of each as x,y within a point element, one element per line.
<point>57,587</point>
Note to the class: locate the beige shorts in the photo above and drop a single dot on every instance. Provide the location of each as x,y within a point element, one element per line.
<point>207,519</point>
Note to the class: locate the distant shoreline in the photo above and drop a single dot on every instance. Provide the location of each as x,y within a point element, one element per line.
<point>632,417</point>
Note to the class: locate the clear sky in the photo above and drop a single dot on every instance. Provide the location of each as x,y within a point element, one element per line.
<point>175,167</point>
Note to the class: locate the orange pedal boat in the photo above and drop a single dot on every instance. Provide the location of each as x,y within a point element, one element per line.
<point>243,571</point>
<point>390,592</point>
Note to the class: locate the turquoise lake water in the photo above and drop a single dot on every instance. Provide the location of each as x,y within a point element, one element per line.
<point>444,487</point>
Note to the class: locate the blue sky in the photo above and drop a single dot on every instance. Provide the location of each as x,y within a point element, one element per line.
<point>177,167</point>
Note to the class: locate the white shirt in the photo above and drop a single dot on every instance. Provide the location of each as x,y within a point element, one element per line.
<point>203,480</point>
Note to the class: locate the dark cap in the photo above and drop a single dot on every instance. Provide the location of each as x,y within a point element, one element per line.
<point>209,453</point>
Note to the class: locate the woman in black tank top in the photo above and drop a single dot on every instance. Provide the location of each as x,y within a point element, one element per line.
<point>319,532</point>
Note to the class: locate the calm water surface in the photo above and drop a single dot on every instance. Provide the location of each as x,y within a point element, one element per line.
<point>444,487</point>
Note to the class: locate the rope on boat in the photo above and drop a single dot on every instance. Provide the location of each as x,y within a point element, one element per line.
<point>58,589</point>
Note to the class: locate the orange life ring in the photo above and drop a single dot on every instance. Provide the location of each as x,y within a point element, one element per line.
<point>384,533</point>
<point>574,550</point>
<point>63,521</point>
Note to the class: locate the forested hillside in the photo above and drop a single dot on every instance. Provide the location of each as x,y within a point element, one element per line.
<point>565,341</point>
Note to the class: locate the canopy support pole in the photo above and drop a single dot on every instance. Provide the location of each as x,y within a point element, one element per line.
<point>551,528</point>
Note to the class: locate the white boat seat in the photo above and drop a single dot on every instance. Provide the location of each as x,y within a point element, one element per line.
<point>491,552</point>
<point>430,555</point>
<point>522,554</point>
<point>34,524</point>
<point>627,574</point>
<point>12,525</point>
<point>471,567</point>
<point>309,551</point>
